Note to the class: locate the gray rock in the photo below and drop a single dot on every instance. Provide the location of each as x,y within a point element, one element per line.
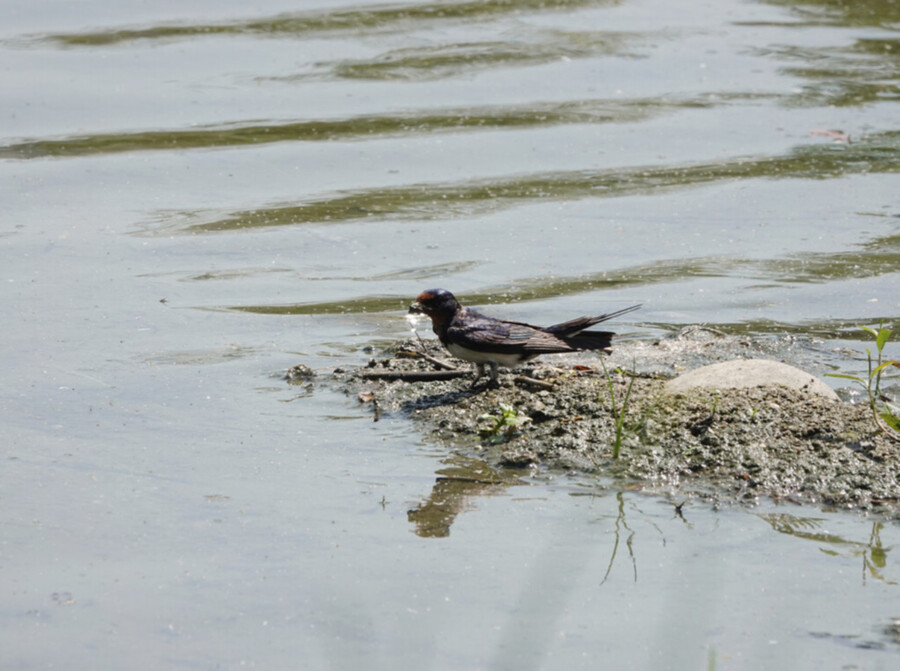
<point>747,373</point>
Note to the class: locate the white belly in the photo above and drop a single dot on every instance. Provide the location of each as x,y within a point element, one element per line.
<point>505,360</point>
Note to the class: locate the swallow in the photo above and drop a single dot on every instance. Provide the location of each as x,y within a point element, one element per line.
<point>485,341</point>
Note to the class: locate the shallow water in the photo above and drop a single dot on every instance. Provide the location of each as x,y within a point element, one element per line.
<point>198,195</point>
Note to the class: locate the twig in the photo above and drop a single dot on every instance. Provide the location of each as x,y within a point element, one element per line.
<point>466,478</point>
<point>437,362</point>
<point>702,327</point>
<point>415,375</point>
<point>524,379</point>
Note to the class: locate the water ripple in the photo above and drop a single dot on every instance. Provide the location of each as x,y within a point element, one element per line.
<point>880,256</point>
<point>385,18</point>
<point>369,127</point>
<point>453,59</point>
<point>877,153</point>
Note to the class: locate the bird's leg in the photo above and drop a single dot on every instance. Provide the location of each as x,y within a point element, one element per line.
<point>479,373</point>
<point>495,374</point>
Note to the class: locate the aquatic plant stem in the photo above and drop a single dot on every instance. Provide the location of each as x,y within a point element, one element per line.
<point>617,412</point>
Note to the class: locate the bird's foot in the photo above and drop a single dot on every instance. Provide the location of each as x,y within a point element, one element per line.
<point>483,387</point>
<point>486,384</point>
<point>493,381</point>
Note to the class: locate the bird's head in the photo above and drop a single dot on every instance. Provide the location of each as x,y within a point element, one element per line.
<point>439,304</point>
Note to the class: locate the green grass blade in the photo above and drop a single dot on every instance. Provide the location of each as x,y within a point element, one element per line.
<point>891,420</point>
<point>846,377</point>
<point>885,365</point>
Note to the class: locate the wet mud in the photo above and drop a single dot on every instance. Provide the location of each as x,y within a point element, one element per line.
<point>611,416</point>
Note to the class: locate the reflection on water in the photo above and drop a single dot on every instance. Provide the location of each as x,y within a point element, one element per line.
<point>450,60</point>
<point>623,535</point>
<point>201,357</point>
<point>402,123</point>
<point>875,258</point>
<point>866,72</point>
<point>842,13</point>
<point>455,491</point>
<point>873,553</point>
<point>874,154</point>
<point>400,17</point>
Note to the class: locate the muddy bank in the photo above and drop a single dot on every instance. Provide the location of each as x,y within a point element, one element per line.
<point>563,412</point>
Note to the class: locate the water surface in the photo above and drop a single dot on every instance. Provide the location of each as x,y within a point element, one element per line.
<point>197,196</point>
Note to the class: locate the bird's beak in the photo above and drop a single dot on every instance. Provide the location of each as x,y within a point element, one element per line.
<point>416,309</point>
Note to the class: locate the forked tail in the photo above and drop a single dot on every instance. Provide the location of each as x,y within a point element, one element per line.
<point>574,327</point>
